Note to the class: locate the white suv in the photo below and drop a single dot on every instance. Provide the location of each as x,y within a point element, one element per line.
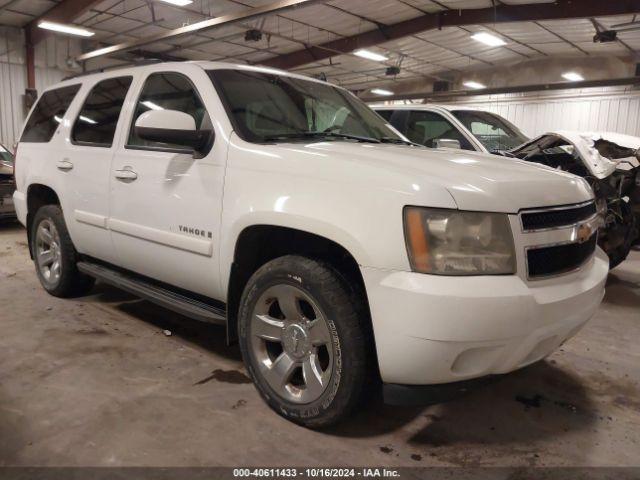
<point>333,250</point>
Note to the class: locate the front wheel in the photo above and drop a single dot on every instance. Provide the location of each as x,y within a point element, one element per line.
<point>304,340</point>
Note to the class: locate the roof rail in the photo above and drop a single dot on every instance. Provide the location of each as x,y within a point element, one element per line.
<point>118,66</point>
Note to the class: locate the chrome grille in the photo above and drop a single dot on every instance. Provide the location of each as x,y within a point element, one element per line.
<point>559,259</point>
<point>557,217</point>
<point>558,240</point>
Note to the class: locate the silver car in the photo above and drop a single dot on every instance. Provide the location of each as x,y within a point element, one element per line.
<point>7,183</point>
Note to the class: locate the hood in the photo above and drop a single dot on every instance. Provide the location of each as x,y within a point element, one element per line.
<point>476,181</point>
<point>596,163</point>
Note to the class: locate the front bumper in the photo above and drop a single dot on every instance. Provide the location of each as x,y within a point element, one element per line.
<point>435,329</point>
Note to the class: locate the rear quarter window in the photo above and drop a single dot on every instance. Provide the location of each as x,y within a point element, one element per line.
<point>48,114</point>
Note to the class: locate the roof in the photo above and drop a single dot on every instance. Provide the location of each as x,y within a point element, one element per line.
<point>430,55</point>
<point>159,66</point>
<point>420,106</point>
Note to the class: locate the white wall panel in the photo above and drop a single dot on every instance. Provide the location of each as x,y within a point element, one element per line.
<point>12,85</point>
<point>13,81</point>
<point>613,109</point>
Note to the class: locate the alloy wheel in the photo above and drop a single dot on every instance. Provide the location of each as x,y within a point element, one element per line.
<point>291,343</point>
<point>48,254</point>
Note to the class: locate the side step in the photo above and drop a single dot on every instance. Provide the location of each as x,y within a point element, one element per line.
<point>164,297</point>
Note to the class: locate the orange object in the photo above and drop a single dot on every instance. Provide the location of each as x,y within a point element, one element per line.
<point>418,242</point>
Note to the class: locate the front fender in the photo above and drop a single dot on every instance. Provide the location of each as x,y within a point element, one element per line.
<point>287,220</point>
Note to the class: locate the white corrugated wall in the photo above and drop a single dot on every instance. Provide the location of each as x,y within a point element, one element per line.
<point>13,81</point>
<point>611,109</point>
<point>12,85</point>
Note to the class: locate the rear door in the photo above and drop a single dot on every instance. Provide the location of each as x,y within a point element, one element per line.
<point>166,204</point>
<point>87,164</point>
<point>43,146</point>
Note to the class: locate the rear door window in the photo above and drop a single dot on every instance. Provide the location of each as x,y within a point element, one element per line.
<point>96,124</point>
<point>495,133</point>
<point>48,114</point>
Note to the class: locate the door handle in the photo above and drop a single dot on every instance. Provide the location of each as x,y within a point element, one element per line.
<point>64,165</point>
<point>126,174</point>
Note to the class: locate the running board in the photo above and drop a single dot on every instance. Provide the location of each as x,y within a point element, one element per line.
<point>164,297</point>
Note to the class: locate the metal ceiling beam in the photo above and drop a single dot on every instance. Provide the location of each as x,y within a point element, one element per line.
<point>64,12</point>
<point>8,5</point>
<point>561,9</point>
<point>249,14</point>
<point>612,82</point>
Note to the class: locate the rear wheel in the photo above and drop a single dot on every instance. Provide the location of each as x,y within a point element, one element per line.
<point>55,256</point>
<point>304,339</point>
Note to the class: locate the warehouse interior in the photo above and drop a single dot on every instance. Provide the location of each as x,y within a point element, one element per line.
<point>111,380</point>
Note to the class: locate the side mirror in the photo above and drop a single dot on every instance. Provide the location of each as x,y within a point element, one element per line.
<point>447,143</point>
<point>171,126</point>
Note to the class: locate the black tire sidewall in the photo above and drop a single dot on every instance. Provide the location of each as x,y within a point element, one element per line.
<point>348,349</point>
<point>620,254</point>
<point>70,278</point>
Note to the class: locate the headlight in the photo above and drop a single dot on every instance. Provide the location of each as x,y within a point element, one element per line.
<point>452,242</point>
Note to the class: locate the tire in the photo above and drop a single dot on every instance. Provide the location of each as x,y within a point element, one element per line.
<point>54,255</point>
<point>620,254</point>
<point>300,319</point>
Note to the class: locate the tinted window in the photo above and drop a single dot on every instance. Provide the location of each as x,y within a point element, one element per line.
<point>168,91</point>
<point>97,121</point>
<point>386,114</point>
<point>495,133</point>
<point>427,127</point>
<point>6,162</point>
<point>48,114</point>
<point>269,107</point>
<point>5,154</point>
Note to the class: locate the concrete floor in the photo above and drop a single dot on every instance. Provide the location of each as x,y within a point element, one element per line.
<point>95,381</point>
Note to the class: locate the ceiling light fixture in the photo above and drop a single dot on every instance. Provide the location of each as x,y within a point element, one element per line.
<point>68,29</point>
<point>573,77</point>
<point>180,3</point>
<point>488,39</point>
<point>382,91</point>
<point>474,85</point>
<point>369,55</point>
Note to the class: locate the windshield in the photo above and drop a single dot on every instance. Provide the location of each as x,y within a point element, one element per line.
<point>266,107</point>
<point>493,131</point>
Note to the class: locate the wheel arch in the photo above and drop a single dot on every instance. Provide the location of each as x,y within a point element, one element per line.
<point>260,243</point>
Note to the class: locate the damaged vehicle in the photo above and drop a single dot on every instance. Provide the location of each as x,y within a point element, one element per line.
<point>336,253</point>
<point>608,161</point>
<point>611,164</point>
<point>7,184</point>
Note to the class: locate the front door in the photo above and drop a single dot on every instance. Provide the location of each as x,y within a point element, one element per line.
<point>166,204</point>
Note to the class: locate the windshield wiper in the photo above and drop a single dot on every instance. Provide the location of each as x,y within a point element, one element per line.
<point>399,141</point>
<point>285,136</point>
